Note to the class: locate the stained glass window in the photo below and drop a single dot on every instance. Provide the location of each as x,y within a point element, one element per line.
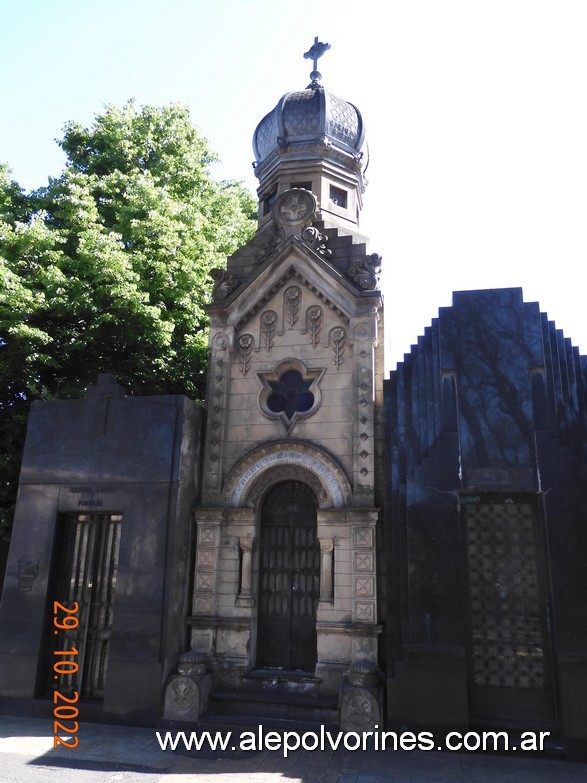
<point>290,394</point>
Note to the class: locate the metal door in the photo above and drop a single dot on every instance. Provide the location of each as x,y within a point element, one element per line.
<point>87,566</point>
<point>509,653</point>
<point>289,578</point>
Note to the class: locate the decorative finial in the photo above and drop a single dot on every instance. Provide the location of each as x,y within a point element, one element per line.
<point>314,53</point>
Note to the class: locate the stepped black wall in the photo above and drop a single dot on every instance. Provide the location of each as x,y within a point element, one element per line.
<point>490,402</point>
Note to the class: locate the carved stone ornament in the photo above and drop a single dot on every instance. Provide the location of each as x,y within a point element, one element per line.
<point>245,347</point>
<point>191,663</point>
<point>186,693</point>
<point>360,698</point>
<point>292,299</point>
<point>246,543</point>
<point>224,284</point>
<point>337,340</point>
<point>294,210</point>
<point>365,273</point>
<point>314,324</point>
<point>363,674</point>
<point>268,328</point>
<point>360,710</point>
<point>317,241</point>
<point>182,694</point>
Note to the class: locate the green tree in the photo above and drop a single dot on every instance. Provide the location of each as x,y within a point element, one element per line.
<point>106,268</point>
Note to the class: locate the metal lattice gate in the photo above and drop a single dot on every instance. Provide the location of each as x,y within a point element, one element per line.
<point>508,642</point>
<point>87,569</point>
<point>289,579</point>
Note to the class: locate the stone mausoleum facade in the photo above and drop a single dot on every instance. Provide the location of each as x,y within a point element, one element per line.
<point>318,544</point>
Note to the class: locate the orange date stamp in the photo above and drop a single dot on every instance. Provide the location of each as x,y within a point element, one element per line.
<point>65,664</point>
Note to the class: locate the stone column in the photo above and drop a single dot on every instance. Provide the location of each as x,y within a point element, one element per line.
<point>326,570</point>
<point>245,594</point>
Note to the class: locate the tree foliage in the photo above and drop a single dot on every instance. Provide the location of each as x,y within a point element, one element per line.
<point>106,268</point>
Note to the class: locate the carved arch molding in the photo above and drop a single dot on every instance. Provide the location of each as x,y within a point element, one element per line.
<point>281,461</point>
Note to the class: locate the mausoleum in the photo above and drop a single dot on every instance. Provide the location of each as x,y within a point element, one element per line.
<point>317,544</point>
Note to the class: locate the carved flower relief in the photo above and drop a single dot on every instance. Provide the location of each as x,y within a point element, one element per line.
<point>245,344</point>
<point>220,342</point>
<point>268,328</point>
<point>337,340</point>
<point>290,392</point>
<point>314,324</point>
<point>292,299</point>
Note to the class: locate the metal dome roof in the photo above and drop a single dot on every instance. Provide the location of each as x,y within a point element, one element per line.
<point>308,116</point>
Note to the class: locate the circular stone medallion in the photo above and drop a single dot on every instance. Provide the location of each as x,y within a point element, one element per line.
<point>295,208</point>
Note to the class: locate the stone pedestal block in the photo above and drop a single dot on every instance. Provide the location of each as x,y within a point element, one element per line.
<point>186,698</point>
<point>186,693</point>
<point>361,698</point>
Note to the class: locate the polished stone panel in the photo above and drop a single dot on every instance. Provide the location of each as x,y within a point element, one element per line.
<point>489,407</point>
<point>137,457</point>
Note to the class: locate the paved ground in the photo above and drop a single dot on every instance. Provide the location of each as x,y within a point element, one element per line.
<point>116,754</point>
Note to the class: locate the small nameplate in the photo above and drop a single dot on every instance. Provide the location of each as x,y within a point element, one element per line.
<point>92,495</point>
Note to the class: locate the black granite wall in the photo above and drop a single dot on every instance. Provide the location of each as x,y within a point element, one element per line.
<point>134,456</point>
<point>491,403</point>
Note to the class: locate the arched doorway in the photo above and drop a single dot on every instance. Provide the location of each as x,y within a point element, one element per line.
<point>289,578</point>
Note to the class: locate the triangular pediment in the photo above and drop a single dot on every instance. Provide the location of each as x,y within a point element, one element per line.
<point>296,262</point>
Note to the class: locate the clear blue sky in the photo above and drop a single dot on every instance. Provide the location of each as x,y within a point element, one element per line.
<point>476,117</point>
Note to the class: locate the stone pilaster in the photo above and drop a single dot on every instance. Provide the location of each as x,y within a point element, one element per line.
<point>347,626</point>
<point>208,526</point>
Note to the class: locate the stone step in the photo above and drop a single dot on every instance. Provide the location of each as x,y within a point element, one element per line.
<point>260,705</point>
<point>282,681</point>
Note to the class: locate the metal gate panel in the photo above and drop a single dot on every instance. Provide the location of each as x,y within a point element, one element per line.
<point>508,649</point>
<point>289,579</point>
<point>88,569</point>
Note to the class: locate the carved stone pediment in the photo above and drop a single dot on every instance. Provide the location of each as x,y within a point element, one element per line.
<point>292,282</point>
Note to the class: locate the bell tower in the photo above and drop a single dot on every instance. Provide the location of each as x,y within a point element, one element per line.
<point>285,572</point>
<point>316,141</point>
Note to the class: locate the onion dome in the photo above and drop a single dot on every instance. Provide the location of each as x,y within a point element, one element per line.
<point>307,117</point>
<point>315,141</point>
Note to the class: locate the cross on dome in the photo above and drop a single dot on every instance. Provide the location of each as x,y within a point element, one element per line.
<point>314,53</point>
